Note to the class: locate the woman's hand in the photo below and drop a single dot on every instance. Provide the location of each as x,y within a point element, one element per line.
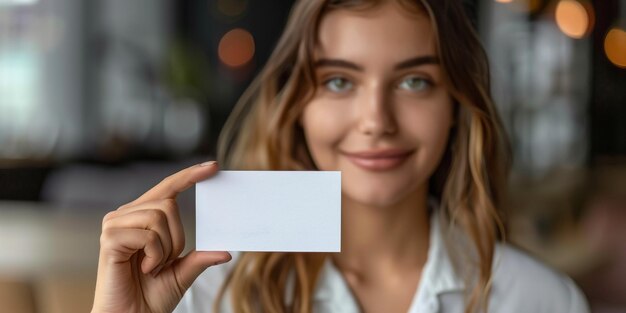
<point>139,269</point>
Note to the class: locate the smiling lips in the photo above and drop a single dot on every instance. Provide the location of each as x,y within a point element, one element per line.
<point>380,160</point>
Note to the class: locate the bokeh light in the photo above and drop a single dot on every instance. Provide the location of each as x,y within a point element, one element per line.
<point>615,46</point>
<point>574,18</point>
<point>236,48</point>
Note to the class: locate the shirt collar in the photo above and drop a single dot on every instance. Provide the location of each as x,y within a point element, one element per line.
<point>439,272</point>
<point>438,276</point>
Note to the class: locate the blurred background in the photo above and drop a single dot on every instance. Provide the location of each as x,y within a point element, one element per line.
<point>101,99</point>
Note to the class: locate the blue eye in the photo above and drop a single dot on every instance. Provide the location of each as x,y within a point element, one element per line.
<point>415,84</point>
<point>338,84</point>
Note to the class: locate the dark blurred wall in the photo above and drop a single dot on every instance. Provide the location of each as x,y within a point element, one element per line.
<point>202,24</point>
<point>608,103</point>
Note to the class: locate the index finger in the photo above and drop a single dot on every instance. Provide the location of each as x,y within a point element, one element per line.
<point>172,185</point>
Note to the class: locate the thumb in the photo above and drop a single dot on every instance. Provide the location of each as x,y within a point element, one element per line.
<point>188,268</point>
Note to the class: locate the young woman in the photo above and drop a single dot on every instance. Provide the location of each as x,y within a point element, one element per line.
<point>395,95</point>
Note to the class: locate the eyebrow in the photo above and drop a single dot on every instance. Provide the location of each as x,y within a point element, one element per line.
<point>413,62</point>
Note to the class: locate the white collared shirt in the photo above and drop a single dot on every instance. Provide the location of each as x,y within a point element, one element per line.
<point>521,284</point>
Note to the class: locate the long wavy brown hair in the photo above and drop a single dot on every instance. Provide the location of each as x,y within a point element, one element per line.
<point>263,133</point>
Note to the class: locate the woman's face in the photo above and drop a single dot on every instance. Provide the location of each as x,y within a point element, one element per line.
<point>381,114</point>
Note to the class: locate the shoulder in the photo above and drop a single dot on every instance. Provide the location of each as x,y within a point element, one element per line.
<point>527,284</point>
<point>202,294</point>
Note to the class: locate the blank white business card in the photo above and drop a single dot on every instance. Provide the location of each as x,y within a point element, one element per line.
<point>278,211</point>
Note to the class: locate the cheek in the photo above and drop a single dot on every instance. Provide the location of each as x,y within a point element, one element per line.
<point>430,130</point>
<point>429,127</point>
<point>324,125</point>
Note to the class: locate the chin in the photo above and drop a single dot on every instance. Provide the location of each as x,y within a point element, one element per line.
<point>376,197</point>
<point>381,190</point>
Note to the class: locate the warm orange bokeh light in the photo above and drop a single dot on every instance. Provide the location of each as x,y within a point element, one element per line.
<point>573,18</point>
<point>615,46</point>
<point>504,1</point>
<point>236,48</point>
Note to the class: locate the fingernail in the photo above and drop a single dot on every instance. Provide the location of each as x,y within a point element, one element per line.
<point>220,262</point>
<point>210,163</point>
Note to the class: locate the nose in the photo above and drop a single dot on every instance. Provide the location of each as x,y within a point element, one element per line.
<point>376,116</point>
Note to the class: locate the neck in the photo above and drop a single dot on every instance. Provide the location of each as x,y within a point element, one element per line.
<point>384,240</point>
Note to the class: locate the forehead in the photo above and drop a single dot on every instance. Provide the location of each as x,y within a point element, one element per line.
<point>385,33</point>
